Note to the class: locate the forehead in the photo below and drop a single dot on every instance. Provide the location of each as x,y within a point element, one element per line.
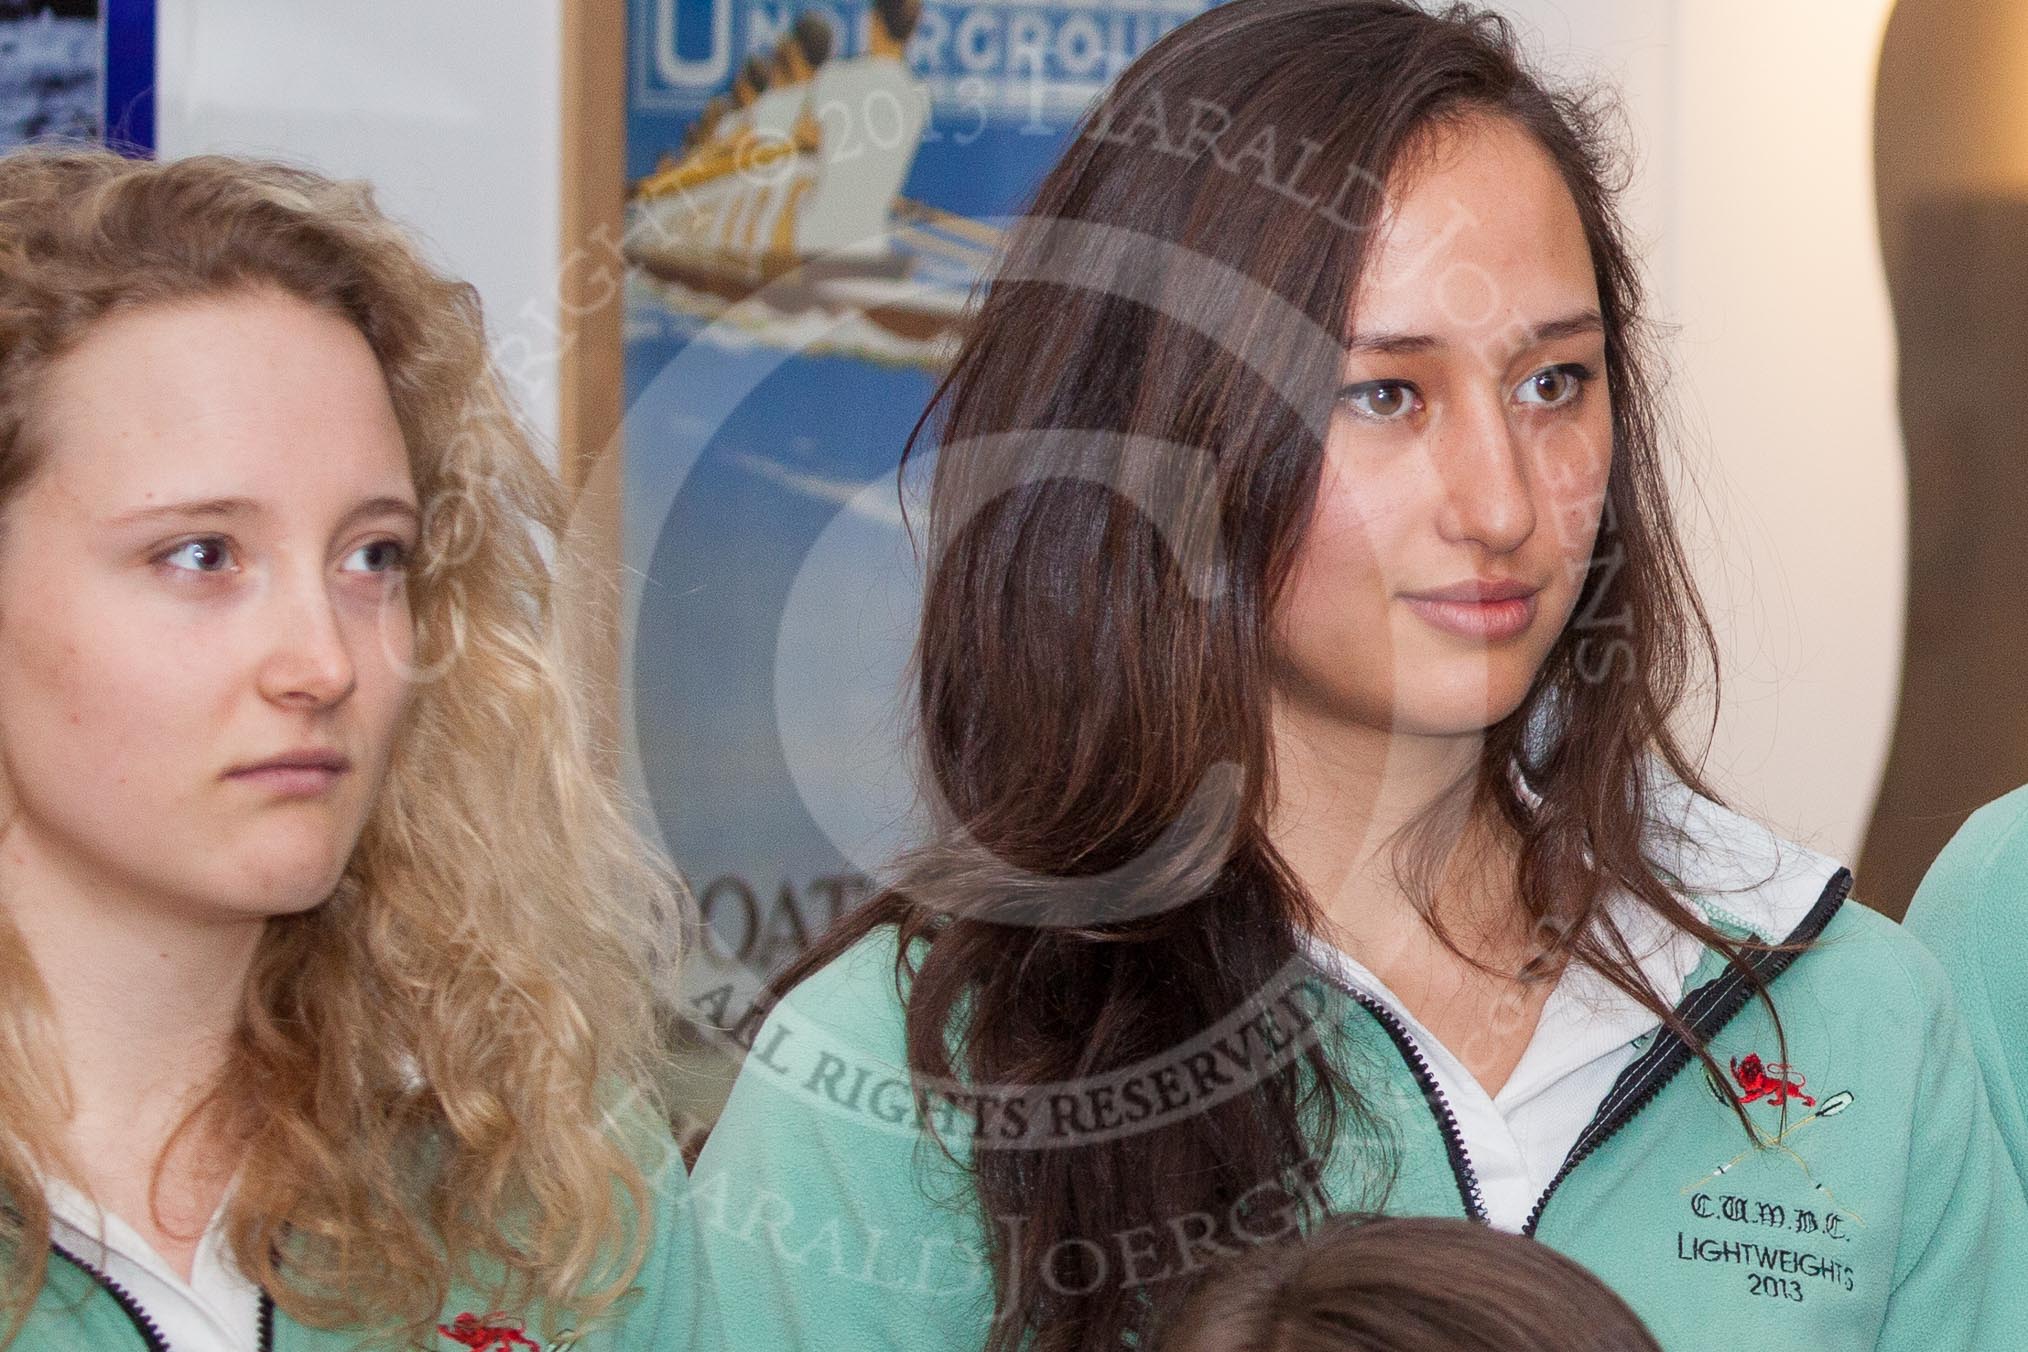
<point>258,394</point>
<point>1478,235</point>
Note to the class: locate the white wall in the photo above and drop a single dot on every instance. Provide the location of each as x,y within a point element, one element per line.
<point>450,108</point>
<point>1754,125</point>
<point>1788,355</point>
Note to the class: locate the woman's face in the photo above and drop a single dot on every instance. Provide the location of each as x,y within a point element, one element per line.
<point>203,623</point>
<point>1467,456</point>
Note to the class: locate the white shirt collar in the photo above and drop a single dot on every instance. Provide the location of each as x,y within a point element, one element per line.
<point>1585,1017</point>
<point>216,1310</point>
<point>1735,870</point>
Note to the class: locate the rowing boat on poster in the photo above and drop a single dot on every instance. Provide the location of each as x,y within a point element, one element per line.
<point>797,210</point>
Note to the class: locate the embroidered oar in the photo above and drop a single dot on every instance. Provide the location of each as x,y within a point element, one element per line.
<point>1830,1107</point>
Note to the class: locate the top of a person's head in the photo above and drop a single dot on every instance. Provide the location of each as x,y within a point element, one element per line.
<point>1409,1284</point>
<point>812,35</point>
<point>85,233</point>
<point>898,18</point>
<point>1248,157</point>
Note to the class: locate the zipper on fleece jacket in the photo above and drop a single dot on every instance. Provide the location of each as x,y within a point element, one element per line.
<point>151,1333</point>
<point>1432,1093</point>
<point>1705,1010</point>
<point>146,1327</point>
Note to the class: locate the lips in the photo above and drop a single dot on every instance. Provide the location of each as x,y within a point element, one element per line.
<point>294,774</point>
<point>1483,610</point>
<point>1477,590</point>
<point>334,762</point>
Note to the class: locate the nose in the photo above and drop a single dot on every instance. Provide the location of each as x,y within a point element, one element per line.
<point>1488,497</point>
<point>309,662</point>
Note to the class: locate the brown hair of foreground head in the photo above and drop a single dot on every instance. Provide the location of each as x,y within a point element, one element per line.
<point>1405,1284</point>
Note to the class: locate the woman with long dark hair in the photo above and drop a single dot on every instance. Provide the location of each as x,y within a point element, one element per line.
<point>1304,631</point>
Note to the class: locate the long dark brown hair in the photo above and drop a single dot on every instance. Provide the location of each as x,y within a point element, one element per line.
<point>1130,444</point>
<point>1393,1284</point>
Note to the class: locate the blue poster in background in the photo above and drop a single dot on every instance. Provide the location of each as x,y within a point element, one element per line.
<point>814,191</point>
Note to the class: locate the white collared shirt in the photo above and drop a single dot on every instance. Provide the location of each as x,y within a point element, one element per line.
<point>1589,1031</point>
<point>1732,867</point>
<point>216,1310</point>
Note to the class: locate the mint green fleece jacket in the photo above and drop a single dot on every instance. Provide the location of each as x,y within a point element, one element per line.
<point>1972,912</point>
<point>1887,1216</point>
<point>78,1310</point>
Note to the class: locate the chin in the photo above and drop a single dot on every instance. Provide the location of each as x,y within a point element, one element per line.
<point>272,888</point>
<point>1457,713</point>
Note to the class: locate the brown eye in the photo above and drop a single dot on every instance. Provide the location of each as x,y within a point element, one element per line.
<point>1381,400</point>
<point>1554,386</point>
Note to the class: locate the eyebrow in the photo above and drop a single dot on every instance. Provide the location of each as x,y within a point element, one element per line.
<point>1405,344</point>
<point>237,508</point>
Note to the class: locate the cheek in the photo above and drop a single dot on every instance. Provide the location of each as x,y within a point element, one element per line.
<point>1360,534</point>
<point>1576,464</point>
<point>1337,584</point>
<point>101,710</point>
<point>1336,564</point>
<point>385,656</point>
<point>1335,634</point>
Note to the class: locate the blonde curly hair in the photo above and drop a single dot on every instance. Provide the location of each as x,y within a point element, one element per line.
<point>429,1067</point>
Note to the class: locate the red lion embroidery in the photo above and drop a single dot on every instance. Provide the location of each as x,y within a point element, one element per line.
<point>1775,1083</point>
<point>486,1335</point>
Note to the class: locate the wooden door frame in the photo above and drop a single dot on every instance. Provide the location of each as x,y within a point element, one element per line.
<point>590,376</point>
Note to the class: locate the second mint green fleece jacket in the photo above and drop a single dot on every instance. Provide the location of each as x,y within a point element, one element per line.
<point>1972,912</point>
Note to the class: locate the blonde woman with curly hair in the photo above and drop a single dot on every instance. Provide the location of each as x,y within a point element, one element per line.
<point>325,952</point>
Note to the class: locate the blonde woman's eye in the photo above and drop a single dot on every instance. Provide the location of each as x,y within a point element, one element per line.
<point>1556,386</point>
<point>1382,400</point>
<point>209,555</point>
<point>380,556</point>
